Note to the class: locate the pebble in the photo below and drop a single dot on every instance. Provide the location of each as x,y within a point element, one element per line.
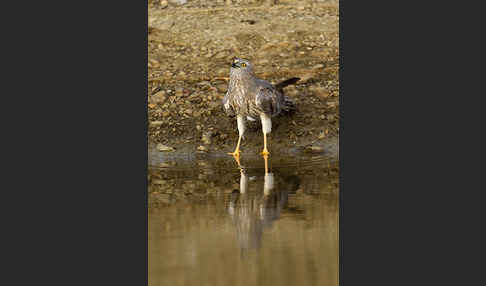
<point>166,198</point>
<point>320,92</point>
<point>159,97</point>
<point>163,148</point>
<point>179,91</point>
<point>206,137</point>
<point>159,182</point>
<point>154,63</point>
<point>164,4</point>
<point>314,149</point>
<point>156,123</point>
<point>331,103</point>
<point>202,148</point>
<point>179,2</point>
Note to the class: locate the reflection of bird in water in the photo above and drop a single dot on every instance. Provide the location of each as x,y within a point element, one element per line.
<point>249,97</point>
<point>252,213</point>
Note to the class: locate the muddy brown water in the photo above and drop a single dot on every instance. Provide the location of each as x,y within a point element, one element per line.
<point>213,223</point>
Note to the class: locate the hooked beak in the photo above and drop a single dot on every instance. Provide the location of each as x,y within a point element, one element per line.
<point>234,65</point>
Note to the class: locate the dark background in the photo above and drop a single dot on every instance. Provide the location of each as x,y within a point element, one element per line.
<point>76,144</point>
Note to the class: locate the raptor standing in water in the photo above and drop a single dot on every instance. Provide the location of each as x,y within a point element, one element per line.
<point>249,97</point>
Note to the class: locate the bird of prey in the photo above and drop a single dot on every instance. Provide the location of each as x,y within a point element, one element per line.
<point>249,97</point>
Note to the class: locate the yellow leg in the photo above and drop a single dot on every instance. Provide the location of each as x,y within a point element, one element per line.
<point>236,153</point>
<point>265,150</point>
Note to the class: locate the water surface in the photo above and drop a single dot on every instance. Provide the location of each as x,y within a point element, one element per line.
<point>214,223</point>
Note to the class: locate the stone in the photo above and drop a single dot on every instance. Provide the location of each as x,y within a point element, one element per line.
<point>159,97</point>
<point>314,149</point>
<point>156,123</point>
<point>206,137</point>
<point>202,148</point>
<point>163,148</point>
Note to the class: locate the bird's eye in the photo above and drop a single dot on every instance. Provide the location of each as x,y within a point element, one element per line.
<point>243,65</point>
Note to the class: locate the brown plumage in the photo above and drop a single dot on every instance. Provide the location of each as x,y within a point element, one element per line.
<point>249,97</point>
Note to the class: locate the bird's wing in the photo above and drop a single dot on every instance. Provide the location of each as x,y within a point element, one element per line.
<point>227,106</point>
<point>269,100</point>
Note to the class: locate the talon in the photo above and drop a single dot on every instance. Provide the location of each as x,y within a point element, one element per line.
<point>265,152</point>
<point>235,154</point>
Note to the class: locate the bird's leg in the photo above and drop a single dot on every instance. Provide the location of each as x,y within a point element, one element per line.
<point>236,153</point>
<point>265,152</point>
<point>241,129</point>
<point>266,128</point>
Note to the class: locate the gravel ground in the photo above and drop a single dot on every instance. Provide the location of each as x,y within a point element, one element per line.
<point>191,45</point>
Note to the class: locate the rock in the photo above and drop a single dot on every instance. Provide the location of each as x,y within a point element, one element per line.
<point>163,148</point>
<point>156,123</point>
<point>178,2</point>
<point>222,87</point>
<point>202,148</point>
<point>320,92</point>
<point>215,105</point>
<point>314,149</point>
<point>165,198</point>
<point>179,91</point>
<point>159,97</point>
<point>206,137</point>
<point>331,104</point>
<point>164,4</point>
<point>158,182</point>
<point>154,63</point>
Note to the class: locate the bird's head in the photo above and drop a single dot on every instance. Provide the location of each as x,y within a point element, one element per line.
<point>241,66</point>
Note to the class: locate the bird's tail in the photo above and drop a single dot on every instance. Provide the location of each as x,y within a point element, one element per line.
<point>289,103</point>
<point>279,86</point>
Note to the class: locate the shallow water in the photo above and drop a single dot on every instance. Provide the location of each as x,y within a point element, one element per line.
<point>213,223</point>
